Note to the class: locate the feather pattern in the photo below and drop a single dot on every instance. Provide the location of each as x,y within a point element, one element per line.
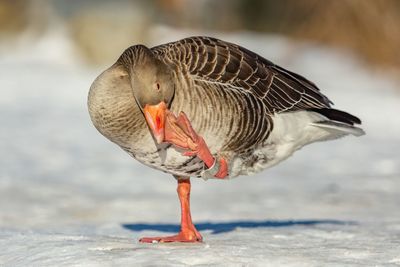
<point>249,110</point>
<point>260,88</point>
<point>236,68</point>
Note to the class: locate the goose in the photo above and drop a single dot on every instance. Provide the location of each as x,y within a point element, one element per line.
<point>202,107</point>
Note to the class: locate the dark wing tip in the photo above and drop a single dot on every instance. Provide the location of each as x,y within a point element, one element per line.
<point>338,115</point>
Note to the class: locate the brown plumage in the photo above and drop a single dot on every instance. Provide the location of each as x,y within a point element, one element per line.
<point>233,97</point>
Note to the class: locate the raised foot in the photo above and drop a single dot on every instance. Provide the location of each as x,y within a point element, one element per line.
<point>179,132</point>
<point>187,236</point>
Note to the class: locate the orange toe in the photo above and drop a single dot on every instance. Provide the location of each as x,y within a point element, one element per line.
<point>183,236</point>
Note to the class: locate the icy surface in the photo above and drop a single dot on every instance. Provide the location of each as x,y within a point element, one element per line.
<point>69,197</point>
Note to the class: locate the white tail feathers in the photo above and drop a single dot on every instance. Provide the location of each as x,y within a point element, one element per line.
<point>339,128</point>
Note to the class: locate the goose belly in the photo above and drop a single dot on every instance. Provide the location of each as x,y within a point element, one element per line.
<point>164,157</point>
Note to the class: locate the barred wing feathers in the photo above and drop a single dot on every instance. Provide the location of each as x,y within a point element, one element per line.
<point>236,68</point>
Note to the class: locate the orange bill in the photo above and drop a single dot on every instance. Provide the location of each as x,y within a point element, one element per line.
<point>155,117</point>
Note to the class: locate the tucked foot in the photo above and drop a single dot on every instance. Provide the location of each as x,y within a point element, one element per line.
<point>179,132</point>
<point>189,236</point>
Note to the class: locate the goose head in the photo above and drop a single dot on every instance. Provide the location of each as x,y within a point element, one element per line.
<point>153,86</point>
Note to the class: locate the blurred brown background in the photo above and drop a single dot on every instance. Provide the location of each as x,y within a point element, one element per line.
<point>101,29</point>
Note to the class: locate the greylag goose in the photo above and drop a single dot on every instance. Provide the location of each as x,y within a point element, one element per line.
<point>203,107</point>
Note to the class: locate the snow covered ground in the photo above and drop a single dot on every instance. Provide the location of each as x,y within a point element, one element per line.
<point>68,197</point>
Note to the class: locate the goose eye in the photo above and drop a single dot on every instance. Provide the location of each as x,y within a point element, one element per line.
<point>157,86</point>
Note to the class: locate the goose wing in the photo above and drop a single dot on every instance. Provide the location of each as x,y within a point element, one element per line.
<point>232,67</point>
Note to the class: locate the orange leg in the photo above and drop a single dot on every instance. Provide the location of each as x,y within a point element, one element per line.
<point>188,231</point>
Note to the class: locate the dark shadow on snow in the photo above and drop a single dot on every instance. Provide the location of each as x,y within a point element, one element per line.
<point>224,227</point>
